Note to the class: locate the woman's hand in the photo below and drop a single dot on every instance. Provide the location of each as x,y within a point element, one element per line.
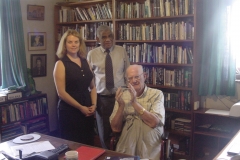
<point>92,109</point>
<point>85,110</point>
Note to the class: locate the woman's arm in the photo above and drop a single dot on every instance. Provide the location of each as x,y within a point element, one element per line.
<point>93,92</point>
<point>93,97</point>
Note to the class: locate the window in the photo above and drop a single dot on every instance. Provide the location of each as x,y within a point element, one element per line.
<point>234,33</point>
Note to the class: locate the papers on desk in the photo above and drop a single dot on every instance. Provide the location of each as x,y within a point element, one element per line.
<point>218,111</point>
<point>31,148</point>
<point>2,157</point>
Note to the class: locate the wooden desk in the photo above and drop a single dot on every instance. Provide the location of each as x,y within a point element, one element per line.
<point>223,153</point>
<point>57,142</point>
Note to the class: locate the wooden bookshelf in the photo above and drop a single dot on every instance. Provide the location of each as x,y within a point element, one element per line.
<point>172,50</point>
<point>24,115</point>
<point>218,130</point>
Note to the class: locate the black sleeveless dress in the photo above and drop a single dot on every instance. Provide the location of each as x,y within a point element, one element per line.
<point>73,124</point>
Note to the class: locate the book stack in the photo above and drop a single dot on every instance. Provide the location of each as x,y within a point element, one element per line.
<point>221,128</point>
<point>11,131</point>
<point>182,124</point>
<point>36,125</point>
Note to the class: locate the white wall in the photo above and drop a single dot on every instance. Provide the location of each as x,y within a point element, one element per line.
<point>44,84</point>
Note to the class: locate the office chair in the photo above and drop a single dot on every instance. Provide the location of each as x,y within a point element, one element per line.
<point>166,151</point>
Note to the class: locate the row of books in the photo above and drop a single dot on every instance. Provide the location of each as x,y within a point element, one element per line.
<point>166,77</point>
<point>174,30</point>
<point>154,8</point>
<point>183,147</point>
<point>95,12</point>
<point>35,125</point>
<point>87,31</point>
<point>180,100</point>
<point>149,53</point>
<point>23,110</point>
<point>10,131</point>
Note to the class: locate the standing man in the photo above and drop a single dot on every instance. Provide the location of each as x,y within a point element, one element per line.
<point>109,63</point>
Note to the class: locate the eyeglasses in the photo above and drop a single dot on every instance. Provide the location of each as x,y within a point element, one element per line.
<point>106,37</point>
<point>135,77</point>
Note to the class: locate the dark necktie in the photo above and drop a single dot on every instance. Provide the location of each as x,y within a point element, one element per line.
<point>109,71</point>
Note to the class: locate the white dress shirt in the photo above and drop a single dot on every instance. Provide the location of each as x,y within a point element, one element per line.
<point>120,61</point>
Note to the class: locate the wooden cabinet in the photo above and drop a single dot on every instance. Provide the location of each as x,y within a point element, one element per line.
<point>211,133</point>
<point>160,35</point>
<point>24,115</point>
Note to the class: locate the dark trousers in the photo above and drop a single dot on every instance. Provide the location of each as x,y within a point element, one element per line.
<point>104,110</point>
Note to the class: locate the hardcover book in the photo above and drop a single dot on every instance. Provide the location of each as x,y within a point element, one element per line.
<point>89,153</point>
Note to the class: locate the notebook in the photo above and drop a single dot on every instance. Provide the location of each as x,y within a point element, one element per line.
<point>89,153</point>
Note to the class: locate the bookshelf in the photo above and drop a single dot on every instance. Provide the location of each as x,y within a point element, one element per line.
<point>161,35</point>
<point>212,132</point>
<point>24,115</point>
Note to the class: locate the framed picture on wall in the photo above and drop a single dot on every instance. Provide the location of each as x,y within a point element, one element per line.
<point>36,41</point>
<point>38,65</point>
<point>35,12</point>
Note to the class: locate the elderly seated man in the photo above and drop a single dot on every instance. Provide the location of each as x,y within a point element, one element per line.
<point>139,115</point>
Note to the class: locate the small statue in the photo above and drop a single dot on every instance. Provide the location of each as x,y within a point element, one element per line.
<point>31,84</point>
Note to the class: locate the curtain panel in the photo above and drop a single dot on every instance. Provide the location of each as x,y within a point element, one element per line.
<point>218,66</point>
<point>12,51</point>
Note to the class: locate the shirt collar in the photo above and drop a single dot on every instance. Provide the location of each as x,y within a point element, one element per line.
<point>103,50</point>
<point>144,92</point>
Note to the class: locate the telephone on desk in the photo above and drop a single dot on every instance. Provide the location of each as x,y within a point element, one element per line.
<point>45,155</point>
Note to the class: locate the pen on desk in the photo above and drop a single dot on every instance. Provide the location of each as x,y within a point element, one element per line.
<point>20,153</point>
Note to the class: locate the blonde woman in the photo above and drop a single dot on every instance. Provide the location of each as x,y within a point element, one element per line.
<point>76,90</point>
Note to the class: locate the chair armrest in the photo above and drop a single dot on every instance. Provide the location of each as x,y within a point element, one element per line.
<point>165,135</point>
<point>114,139</point>
<point>166,147</point>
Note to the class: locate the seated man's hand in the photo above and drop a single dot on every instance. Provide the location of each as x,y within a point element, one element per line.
<point>132,92</point>
<point>118,97</point>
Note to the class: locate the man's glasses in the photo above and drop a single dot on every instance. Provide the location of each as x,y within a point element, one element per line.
<point>106,37</point>
<point>135,77</point>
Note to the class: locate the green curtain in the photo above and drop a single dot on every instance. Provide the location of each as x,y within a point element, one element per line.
<point>218,66</point>
<point>12,51</point>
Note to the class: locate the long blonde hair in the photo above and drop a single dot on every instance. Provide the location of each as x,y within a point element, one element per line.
<point>61,51</point>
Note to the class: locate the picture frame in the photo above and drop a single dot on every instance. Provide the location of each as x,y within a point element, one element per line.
<point>39,65</point>
<point>35,12</point>
<point>37,41</point>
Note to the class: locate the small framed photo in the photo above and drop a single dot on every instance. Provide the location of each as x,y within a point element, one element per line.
<point>36,41</point>
<point>35,12</point>
<point>38,65</point>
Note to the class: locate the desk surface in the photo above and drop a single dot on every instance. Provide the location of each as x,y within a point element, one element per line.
<point>58,141</point>
<point>222,155</point>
